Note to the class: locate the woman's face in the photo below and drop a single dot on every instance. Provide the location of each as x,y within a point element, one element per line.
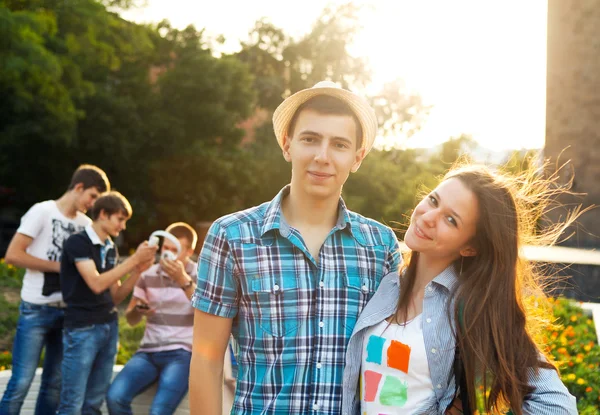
<point>444,222</point>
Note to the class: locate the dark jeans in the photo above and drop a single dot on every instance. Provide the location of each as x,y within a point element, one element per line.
<point>171,368</point>
<point>38,326</point>
<point>89,357</point>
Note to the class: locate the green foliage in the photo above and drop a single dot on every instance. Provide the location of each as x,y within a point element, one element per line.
<point>574,346</point>
<point>129,339</point>
<point>10,284</point>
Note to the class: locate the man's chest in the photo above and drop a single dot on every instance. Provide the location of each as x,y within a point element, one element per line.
<point>283,291</point>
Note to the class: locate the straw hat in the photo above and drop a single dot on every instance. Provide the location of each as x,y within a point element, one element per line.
<point>361,108</point>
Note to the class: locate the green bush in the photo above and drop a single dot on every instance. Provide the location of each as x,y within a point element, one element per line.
<point>574,346</point>
<point>10,276</point>
<point>10,283</point>
<point>129,339</point>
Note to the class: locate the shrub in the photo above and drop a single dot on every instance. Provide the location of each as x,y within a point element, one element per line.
<point>129,339</point>
<point>574,346</point>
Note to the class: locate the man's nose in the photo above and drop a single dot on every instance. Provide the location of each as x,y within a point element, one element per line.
<point>322,155</point>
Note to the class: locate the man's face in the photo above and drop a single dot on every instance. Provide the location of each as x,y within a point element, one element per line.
<point>113,224</point>
<point>85,198</point>
<point>185,248</point>
<point>323,152</point>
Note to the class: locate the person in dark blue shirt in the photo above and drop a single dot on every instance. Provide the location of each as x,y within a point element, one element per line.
<point>91,286</point>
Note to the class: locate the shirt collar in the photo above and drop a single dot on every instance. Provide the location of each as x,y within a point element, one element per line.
<point>96,239</point>
<point>447,278</point>
<point>274,218</point>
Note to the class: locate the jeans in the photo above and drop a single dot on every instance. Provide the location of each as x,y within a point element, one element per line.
<point>89,357</point>
<point>171,368</point>
<point>38,326</point>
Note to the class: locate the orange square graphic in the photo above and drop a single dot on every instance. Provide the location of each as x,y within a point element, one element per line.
<point>398,355</point>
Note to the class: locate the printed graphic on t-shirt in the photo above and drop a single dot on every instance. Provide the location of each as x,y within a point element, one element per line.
<point>394,392</point>
<point>60,232</point>
<point>395,377</point>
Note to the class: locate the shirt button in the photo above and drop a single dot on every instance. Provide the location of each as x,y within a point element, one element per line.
<point>429,288</point>
<point>365,289</point>
<point>321,324</point>
<point>439,386</point>
<point>276,287</point>
<point>316,406</point>
<point>318,365</point>
<point>428,320</point>
<point>434,351</point>
<point>321,284</point>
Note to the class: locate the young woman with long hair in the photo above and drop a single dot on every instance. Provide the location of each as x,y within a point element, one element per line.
<point>461,305</point>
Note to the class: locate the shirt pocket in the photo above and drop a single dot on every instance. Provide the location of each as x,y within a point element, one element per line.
<point>359,290</point>
<point>276,305</point>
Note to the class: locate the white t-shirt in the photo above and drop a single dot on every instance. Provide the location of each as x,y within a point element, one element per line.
<point>394,375</point>
<point>49,229</point>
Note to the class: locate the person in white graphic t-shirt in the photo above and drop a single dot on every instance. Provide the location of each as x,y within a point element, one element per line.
<point>37,246</point>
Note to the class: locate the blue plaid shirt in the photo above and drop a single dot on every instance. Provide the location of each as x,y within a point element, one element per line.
<point>293,315</point>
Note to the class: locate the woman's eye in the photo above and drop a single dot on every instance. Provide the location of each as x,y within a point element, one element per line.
<point>452,221</point>
<point>433,200</point>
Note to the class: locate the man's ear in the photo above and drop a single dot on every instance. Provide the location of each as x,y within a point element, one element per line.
<point>286,148</point>
<point>360,156</point>
<point>103,215</point>
<point>468,251</point>
<point>78,187</point>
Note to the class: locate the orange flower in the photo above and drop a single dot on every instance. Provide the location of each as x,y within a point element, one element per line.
<point>588,389</point>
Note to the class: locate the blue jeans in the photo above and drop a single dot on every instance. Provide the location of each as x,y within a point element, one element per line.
<point>89,356</point>
<point>171,368</point>
<point>38,326</point>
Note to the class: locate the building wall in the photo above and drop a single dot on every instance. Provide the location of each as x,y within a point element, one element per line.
<point>573,106</point>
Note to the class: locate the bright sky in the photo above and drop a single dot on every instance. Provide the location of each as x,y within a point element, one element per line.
<point>481,64</point>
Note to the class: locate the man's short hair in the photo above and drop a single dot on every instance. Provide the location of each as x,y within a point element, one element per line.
<point>111,203</point>
<point>90,176</point>
<point>327,105</point>
<point>183,230</point>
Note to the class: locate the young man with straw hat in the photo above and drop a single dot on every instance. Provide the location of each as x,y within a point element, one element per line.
<point>289,278</point>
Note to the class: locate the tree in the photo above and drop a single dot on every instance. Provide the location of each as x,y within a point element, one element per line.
<point>37,114</point>
<point>400,113</point>
<point>282,65</point>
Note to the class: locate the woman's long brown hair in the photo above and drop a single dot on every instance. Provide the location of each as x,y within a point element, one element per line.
<point>494,333</point>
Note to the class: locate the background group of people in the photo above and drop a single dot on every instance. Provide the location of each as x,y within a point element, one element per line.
<point>72,285</point>
<point>327,315</point>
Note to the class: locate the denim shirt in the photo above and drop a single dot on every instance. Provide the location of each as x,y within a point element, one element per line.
<point>549,395</point>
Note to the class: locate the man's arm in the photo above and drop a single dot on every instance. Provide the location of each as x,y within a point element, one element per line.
<point>176,270</point>
<point>211,338</point>
<point>17,255</point>
<point>132,315</point>
<point>120,289</point>
<point>98,283</point>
